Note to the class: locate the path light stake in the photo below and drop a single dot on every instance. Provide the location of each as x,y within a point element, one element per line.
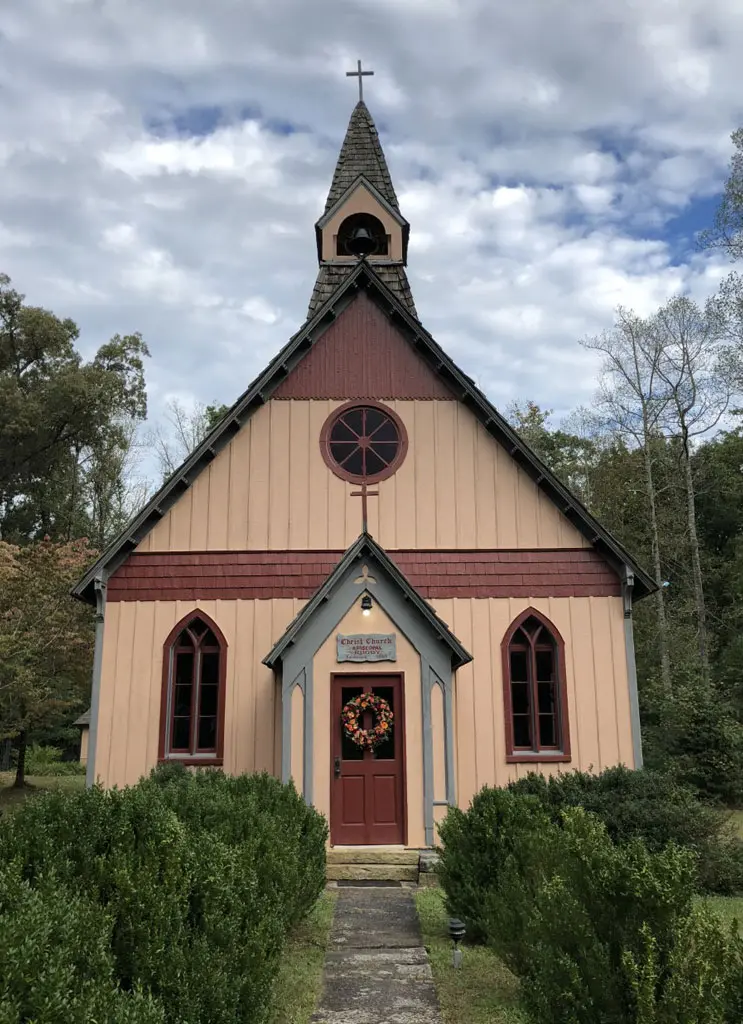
<point>456,934</point>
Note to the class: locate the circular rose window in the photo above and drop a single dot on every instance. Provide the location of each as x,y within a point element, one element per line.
<point>363,442</point>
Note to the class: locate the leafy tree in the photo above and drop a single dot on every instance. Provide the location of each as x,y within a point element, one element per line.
<point>46,638</point>
<point>696,390</point>
<point>182,432</point>
<point>727,231</point>
<point>632,403</point>
<point>65,424</point>
<point>718,474</point>
<point>569,455</point>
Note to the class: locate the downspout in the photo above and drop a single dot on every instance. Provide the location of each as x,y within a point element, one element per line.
<point>628,583</point>
<point>99,585</point>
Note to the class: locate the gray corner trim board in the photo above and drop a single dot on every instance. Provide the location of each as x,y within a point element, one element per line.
<point>436,657</point>
<point>99,584</point>
<point>303,679</point>
<point>428,774</point>
<point>629,646</point>
<point>430,678</point>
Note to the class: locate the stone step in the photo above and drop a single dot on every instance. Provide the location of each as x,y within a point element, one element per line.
<point>365,855</point>
<point>375,872</point>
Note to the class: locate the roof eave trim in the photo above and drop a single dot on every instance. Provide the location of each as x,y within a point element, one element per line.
<point>365,544</point>
<point>468,392</point>
<point>234,419</point>
<point>361,179</point>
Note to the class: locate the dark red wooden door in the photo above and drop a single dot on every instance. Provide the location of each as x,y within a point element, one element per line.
<point>367,798</point>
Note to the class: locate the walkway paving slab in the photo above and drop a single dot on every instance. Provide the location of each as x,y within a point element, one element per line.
<point>376,968</point>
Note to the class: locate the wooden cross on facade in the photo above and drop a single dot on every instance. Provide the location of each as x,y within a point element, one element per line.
<point>364,493</point>
<point>360,75</point>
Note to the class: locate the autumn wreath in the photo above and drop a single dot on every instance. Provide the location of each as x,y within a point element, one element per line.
<point>351,714</point>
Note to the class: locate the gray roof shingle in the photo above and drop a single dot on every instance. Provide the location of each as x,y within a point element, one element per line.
<point>361,153</point>
<point>332,275</point>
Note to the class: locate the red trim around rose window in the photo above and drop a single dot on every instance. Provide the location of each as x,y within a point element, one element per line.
<point>372,478</point>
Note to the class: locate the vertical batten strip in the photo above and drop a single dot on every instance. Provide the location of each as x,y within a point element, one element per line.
<point>629,646</point>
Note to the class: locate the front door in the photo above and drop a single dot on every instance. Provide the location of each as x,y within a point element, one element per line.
<point>367,799</point>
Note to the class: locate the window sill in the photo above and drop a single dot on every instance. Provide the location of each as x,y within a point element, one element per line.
<point>189,762</point>
<point>537,757</point>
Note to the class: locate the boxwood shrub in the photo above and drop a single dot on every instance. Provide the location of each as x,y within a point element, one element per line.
<point>600,931</point>
<point>597,930</point>
<point>651,806</point>
<point>201,875</point>
<point>55,958</point>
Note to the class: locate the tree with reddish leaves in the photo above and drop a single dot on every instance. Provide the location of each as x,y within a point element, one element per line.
<point>46,639</point>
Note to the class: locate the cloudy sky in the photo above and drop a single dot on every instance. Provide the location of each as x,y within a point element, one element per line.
<point>163,163</point>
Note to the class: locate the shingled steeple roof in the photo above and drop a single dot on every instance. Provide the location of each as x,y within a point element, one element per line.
<point>361,153</point>
<point>361,157</point>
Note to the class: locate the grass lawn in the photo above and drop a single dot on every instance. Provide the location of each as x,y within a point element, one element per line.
<point>298,986</point>
<point>482,990</point>
<point>738,822</point>
<point>10,797</point>
<point>729,908</point>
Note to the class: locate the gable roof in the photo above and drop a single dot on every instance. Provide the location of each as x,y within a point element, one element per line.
<point>393,211</point>
<point>367,546</point>
<point>332,275</point>
<point>362,276</point>
<point>362,356</point>
<point>361,154</point>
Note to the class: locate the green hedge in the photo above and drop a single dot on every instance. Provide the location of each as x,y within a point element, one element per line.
<point>651,806</point>
<point>201,875</point>
<point>47,761</point>
<point>55,958</point>
<point>596,930</point>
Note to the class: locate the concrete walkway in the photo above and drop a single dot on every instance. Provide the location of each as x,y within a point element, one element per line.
<point>376,969</point>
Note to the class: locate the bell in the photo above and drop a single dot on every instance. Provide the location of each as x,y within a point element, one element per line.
<point>361,243</point>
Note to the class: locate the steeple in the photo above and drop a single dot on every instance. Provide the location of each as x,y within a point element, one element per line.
<point>361,199</point>
<point>361,153</point>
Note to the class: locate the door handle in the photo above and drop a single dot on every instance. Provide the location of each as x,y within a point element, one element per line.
<point>337,764</point>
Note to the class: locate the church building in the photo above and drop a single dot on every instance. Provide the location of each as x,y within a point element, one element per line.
<point>363,579</point>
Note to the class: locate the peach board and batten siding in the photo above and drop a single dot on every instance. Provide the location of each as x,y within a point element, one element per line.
<point>457,488</point>
<point>597,686</point>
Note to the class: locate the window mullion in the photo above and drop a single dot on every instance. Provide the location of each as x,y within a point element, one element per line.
<point>534,691</point>
<point>196,685</point>
<point>170,720</point>
<point>556,697</point>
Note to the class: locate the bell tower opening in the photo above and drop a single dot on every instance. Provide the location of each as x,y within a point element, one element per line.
<point>362,234</point>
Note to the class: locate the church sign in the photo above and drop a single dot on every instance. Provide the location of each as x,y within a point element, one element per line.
<point>367,647</point>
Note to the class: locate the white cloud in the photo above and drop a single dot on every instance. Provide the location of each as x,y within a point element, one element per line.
<point>538,150</point>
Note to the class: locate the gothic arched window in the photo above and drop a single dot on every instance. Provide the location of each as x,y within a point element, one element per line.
<point>194,669</point>
<point>534,690</point>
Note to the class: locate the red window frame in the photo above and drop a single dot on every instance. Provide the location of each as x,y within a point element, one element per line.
<point>546,637</point>
<point>171,651</point>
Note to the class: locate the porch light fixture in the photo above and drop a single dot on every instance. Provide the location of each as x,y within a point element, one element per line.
<point>457,932</point>
<point>366,604</point>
